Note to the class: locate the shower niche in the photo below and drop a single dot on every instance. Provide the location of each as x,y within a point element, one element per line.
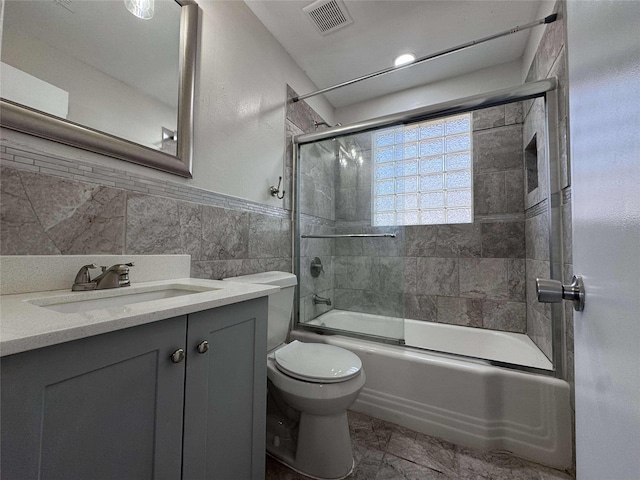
<point>435,217</point>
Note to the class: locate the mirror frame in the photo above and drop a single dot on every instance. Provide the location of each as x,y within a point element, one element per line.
<point>34,122</point>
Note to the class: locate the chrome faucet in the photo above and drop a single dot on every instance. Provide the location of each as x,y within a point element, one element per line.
<point>317,299</point>
<point>112,277</point>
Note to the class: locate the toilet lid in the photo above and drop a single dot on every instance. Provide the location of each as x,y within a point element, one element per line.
<point>317,362</point>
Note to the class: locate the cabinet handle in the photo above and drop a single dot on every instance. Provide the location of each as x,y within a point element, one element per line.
<point>177,356</point>
<point>203,347</point>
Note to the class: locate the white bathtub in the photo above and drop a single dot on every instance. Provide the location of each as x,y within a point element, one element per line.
<point>467,402</point>
<point>506,347</point>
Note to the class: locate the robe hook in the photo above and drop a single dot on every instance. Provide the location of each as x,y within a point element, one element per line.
<point>276,190</point>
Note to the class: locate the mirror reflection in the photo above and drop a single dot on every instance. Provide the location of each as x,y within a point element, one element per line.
<point>96,64</point>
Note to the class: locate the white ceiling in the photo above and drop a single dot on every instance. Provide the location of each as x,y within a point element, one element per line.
<point>382,29</point>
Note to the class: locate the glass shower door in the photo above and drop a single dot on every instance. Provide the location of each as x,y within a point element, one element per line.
<point>351,275</point>
<point>471,202</point>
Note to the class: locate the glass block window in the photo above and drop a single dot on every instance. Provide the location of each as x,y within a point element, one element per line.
<point>422,173</point>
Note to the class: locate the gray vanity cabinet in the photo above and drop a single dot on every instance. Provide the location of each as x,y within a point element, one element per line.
<point>104,407</point>
<point>115,406</point>
<point>226,393</point>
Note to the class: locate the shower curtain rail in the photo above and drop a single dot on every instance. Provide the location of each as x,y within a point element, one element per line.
<point>549,19</point>
<point>353,235</point>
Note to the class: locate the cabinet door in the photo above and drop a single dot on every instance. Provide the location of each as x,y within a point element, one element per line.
<point>105,407</point>
<point>225,395</point>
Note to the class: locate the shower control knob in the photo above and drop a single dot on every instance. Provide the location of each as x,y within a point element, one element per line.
<point>316,267</point>
<point>553,291</point>
<point>203,347</point>
<point>177,356</point>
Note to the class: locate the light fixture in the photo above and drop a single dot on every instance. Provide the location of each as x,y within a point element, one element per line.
<point>140,8</point>
<point>404,59</point>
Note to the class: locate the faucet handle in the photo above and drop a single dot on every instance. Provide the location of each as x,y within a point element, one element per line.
<point>123,274</point>
<point>83,274</point>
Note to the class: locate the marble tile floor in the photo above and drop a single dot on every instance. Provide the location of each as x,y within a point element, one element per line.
<point>384,451</point>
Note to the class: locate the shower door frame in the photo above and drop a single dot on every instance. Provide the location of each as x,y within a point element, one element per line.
<point>546,89</point>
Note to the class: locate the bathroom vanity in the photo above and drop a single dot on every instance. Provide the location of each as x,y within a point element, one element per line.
<point>165,389</point>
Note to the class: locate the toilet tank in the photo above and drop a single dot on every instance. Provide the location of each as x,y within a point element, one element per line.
<point>280,304</point>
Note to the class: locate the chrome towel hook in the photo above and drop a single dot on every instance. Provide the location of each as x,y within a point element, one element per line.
<point>274,191</point>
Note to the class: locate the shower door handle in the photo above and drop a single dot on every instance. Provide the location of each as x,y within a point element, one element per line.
<point>553,291</point>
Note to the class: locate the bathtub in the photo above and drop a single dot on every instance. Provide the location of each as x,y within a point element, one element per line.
<point>503,347</point>
<point>464,401</point>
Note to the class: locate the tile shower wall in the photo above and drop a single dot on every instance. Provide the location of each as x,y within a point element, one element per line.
<point>465,274</point>
<point>549,61</point>
<point>317,206</point>
<point>57,206</point>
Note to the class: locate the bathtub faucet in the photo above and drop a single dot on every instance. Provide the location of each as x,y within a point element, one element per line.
<point>317,299</point>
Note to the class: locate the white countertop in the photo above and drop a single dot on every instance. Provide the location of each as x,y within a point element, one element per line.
<point>25,326</point>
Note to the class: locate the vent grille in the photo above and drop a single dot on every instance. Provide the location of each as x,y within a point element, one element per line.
<point>328,15</point>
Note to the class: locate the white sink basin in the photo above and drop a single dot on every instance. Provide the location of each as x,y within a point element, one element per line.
<point>78,302</point>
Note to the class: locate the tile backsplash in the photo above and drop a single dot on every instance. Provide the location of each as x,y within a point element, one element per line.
<point>54,206</point>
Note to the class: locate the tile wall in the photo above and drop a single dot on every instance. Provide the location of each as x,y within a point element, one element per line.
<point>51,214</point>
<point>549,61</point>
<point>317,205</point>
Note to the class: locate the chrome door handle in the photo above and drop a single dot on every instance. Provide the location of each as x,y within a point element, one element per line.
<point>177,356</point>
<point>203,347</point>
<point>553,291</point>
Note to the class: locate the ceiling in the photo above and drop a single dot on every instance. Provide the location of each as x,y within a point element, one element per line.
<point>382,29</point>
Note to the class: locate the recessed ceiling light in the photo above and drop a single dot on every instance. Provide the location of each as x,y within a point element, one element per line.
<point>404,59</point>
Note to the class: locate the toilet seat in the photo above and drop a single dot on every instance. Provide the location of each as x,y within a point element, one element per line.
<point>317,362</point>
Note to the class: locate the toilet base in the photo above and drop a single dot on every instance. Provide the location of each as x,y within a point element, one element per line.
<point>319,446</point>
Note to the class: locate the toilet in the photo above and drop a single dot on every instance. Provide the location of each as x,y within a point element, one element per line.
<point>310,387</point>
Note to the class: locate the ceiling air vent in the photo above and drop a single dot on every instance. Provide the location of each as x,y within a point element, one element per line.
<point>328,15</point>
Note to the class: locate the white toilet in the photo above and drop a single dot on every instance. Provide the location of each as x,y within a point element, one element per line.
<point>310,387</point>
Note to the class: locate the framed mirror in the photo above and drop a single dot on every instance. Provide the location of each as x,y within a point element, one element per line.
<point>92,75</point>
